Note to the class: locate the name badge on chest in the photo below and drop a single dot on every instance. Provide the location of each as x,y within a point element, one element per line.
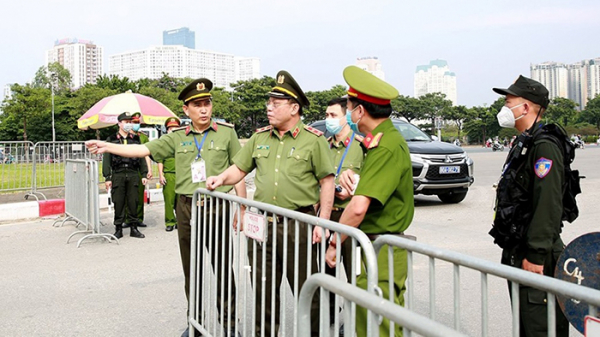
<point>254,226</point>
<point>199,171</point>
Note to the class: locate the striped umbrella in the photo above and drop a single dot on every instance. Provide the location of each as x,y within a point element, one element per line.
<point>105,112</point>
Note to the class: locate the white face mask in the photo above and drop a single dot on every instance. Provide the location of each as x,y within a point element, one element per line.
<point>127,127</point>
<point>506,118</point>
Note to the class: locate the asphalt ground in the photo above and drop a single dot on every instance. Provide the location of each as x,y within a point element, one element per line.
<point>135,288</point>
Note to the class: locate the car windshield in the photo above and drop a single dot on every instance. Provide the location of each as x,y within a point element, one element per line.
<point>411,133</point>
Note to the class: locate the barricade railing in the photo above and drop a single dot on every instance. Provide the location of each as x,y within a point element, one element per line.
<point>517,277</point>
<point>251,280</point>
<point>16,165</point>
<point>410,320</point>
<point>82,199</point>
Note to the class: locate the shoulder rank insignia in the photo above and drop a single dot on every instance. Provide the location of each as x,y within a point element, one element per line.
<point>542,167</point>
<point>225,123</point>
<point>313,130</point>
<point>263,129</point>
<point>188,129</point>
<point>371,142</point>
<point>359,138</point>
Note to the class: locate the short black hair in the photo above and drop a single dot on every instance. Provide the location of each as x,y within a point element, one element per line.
<point>341,101</point>
<point>375,110</point>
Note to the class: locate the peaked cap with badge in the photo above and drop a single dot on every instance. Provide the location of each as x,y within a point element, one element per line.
<point>368,87</point>
<point>125,116</point>
<point>527,88</point>
<point>172,122</point>
<point>198,89</point>
<point>136,117</point>
<point>287,87</point>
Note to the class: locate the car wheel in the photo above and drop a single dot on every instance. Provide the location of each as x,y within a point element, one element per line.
<point>452,197</point>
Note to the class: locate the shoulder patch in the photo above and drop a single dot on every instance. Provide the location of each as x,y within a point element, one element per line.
<point>371,142</point>
<point>226,124</point>
<point>359,138</point>
<point>313,130</point>
<point>263,129</point>
<point>542,167</point>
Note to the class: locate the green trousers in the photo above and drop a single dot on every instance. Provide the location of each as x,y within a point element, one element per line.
<point>169,197</point>
<point>399,279</point>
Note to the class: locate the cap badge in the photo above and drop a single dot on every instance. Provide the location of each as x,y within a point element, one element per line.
<point>280,79</point>
<point>200,86</point>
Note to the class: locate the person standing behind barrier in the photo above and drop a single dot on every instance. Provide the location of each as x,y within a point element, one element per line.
<point>121,175</point>
<point>166,170</point>
<point>142,188</point>
<point>203,143</point>
<point>291,161</point>
<point>383,200</point>
<point>345,150</point>
<point>530,191</point>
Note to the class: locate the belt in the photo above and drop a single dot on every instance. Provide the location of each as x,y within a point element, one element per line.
<point>337,209</point>
<point>126,166</point>
<point>279,218</point>
<point>374,237</point>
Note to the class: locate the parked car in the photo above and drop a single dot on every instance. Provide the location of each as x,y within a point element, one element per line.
<point>439,168</point>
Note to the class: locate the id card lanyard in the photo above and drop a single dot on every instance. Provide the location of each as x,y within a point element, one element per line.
<point>199,155</point>
<point>198,168</point>
<point>344,156</point>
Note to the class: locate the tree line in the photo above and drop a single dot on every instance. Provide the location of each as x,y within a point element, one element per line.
<point>27,112</point>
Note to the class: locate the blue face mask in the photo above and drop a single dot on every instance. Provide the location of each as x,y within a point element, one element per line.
<point>136,127</point>
<point>353,126</point>
<point>333,125</point>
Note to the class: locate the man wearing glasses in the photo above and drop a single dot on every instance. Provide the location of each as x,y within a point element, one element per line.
<point>293,170</point>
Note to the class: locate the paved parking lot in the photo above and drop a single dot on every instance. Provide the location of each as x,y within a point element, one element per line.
<point>50,288</point>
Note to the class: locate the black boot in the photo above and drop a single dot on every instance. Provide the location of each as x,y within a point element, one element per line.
<point>118,231</point>
<point>135,233</point>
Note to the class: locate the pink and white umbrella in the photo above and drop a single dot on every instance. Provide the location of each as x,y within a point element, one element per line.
<point>104,113</point>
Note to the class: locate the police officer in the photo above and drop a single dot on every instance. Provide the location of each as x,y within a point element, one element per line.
<point>529,200</point>
<point>383,201</point>
<point>122,177</point>
<point>292,161</point>
<point>137,118</point>
<point>204,144</point>
<point>166,170</point>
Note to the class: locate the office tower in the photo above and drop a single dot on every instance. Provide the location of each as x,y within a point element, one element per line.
<point>435,77</point>
<point>82,58</point>
<point>372,65</point>
<point>180,37</point>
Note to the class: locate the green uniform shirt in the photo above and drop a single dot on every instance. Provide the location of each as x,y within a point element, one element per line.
<point>386,178</point>
<point>143,137</point>
<point>353,160</point>
<point>220,146</point>
<point>288,168</point>
<point>169,165</point>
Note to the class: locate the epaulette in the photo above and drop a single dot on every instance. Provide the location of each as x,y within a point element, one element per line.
<point>359,138</point>
<point>263,129</point>
<point>371,142</point>
<point>226,124</point>
<point>313,130</point>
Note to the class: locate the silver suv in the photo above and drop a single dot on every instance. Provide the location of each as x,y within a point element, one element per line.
<point>439,168</point>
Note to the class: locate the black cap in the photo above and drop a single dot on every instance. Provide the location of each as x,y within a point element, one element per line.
<point>198,89</point>
<point>527,88</point>
<point>287,87</point>
<point>125,116</point>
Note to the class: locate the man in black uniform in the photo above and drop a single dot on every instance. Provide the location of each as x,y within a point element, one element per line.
<point>529,206</point>
<point>122,177</point>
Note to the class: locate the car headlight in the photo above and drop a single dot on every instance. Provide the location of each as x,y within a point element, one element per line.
<point>416,158</point>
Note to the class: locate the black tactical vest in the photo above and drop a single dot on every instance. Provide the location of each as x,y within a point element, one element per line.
<point>118,162</point>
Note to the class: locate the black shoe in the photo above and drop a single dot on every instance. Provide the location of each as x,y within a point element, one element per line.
<point>119,233</point>
<point>186,333</point>
<point>136,234</point>
<point>126,225</point>
<point>141,224</point>
<point>170,228</point>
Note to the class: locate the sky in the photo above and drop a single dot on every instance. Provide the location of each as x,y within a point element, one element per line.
<point>486,43</point>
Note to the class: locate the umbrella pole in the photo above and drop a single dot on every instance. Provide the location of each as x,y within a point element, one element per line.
<point>97,134</point>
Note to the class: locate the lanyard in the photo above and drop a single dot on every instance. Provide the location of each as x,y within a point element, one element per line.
<point>344,156</point>
<point>201,143</point>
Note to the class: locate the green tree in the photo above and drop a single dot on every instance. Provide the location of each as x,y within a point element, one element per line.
<point>250,97</point>
<point>591,113</point>
<point>114,82</point>
<point>561,111</point>
<point>54,75</point>
<point>458,114</point>
<point>409,108</point>
<point>318,102</point>
<point>435,105</point>
<point>25,108</point>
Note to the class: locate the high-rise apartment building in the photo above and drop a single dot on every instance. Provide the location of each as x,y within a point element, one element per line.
<point>180,37</point>
<point>372,65</point>
<point>179,61</point>
<point>435,77</point>
<point>82,58</point>
<point>579,81</point>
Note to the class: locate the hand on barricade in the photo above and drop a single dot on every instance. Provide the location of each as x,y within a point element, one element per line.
<point>330,255</point>
<point>108,184</point>
<point>213,182</point>
<point>163,180</point>
<point>96,146</point>
<point>318,233</point>
<point>144,181</point>
<point>347,181</point>
<point>149,175</point>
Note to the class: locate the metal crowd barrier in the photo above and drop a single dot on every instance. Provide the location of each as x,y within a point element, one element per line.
<point>485,268</point>
<point>410,320</point>
<point>210,294</point>
<point>16,163</point>
<point>81,199</point>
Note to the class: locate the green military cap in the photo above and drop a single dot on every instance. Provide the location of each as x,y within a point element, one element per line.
<point>172,122</point>
<point>368,87</point>
<point>125,116</point>
<point>198,89</point>
<point>287,87</point>
<point>527,88</point>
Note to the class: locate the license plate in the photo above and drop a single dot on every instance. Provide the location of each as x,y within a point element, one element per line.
<point>449,169</point>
